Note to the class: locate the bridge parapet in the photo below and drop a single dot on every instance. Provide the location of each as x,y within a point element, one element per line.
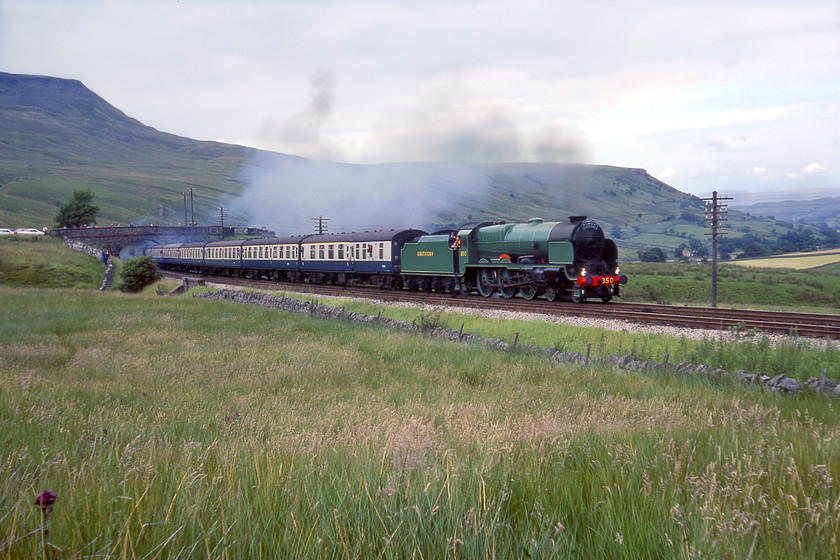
<point>114,239</point>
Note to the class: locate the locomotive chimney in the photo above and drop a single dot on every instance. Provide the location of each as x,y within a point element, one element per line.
<point>575,219</point>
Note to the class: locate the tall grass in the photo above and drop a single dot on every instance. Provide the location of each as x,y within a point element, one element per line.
<point>177,428</point>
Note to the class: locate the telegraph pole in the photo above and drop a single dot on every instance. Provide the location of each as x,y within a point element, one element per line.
<point>222,214</point>
<point>716,212</point>
<point>185,207</point>
<point>320,224</point>
<point>192,211</point>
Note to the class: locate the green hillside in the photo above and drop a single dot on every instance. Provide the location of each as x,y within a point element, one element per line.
<point>57,136</point>
<point>46,262</point>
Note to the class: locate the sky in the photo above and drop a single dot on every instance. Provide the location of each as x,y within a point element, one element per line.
<point>726,95</point>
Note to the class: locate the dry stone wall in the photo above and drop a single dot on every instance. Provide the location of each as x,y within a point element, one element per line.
<point>93,251</point>
<point>778,383</point>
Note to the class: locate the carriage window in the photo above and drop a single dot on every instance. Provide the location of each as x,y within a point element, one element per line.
<point>341,252</point>
<point>312,252</point>
<point>381,251</point>
<point>357,251</point>
<point>331,252</point>
<point>321,252</point>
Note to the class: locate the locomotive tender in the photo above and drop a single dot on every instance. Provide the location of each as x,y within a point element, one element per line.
<point>557,260</point>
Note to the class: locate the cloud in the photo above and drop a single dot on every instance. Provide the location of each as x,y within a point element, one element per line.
<point>813,168</point>
<point>452,122</point>
<point>666,174</point>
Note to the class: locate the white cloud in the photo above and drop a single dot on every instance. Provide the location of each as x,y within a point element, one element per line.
<point>666,174</point>
<point>813,168</point>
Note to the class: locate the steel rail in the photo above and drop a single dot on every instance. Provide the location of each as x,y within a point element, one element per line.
<point>812,325</point>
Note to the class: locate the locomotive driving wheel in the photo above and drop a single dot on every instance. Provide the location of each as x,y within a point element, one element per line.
<point>550,293</point>
<point>529,291</point>
<point>485,279</point>
<point>506,278</point>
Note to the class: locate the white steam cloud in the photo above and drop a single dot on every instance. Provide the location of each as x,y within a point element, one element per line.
<point>301,134</point>
<point>284,193</point>
<point>443,135</point>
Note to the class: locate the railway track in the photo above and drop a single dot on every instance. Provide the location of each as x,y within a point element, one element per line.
<point>812,325</point>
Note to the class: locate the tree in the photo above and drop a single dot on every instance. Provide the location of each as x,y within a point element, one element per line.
<point>77,211</point>
<point>754,250</point>
<point>652,255</point>
<point>138,273</point>
<point>698,248</point>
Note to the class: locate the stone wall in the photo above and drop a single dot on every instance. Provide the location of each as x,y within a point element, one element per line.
<point>779,383</point>
<point>93,251</point>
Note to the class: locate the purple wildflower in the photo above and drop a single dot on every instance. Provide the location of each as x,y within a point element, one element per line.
<point>45,499</point>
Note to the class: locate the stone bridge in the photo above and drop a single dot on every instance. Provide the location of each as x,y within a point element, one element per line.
<point>130,241</point>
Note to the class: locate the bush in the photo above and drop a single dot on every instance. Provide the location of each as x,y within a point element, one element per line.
<point>138,273</point>
<point>652,255</point>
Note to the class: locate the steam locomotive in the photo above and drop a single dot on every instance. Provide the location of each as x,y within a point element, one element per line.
<point>556,260</point>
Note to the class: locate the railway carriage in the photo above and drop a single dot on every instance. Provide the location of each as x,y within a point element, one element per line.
<point>223,257</point>
<point>275,257</point>
<point>189,257</point>
<point>165,255</point>
<point>339,258</point>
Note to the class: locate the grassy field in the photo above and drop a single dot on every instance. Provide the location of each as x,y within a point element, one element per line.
<point>774,288</point>
<point>46,262</point>
<point>182,428</point>
<point>798,261</point>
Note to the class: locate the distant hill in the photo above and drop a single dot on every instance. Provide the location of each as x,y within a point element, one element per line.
<point>56,136</point>
<point>817,211</point>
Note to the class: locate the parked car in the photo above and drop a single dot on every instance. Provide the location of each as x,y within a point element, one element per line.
<point>6,231</point>
<point>28,231</point>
